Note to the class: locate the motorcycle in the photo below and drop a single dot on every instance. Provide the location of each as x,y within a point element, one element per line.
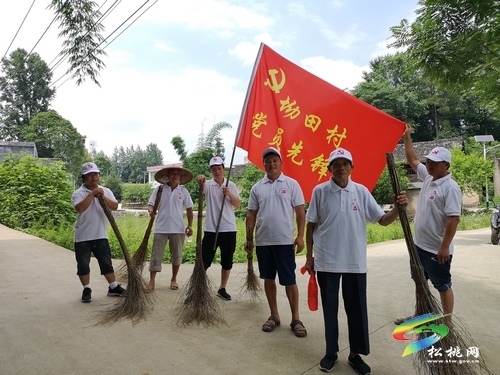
<point>495,225</point>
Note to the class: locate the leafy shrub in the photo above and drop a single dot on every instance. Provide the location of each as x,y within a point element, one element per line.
<point>136,193</point>
<point>34,191</point>
<point>115,185</point>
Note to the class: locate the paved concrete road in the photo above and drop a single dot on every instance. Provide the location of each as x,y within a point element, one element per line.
<point>45,329</point>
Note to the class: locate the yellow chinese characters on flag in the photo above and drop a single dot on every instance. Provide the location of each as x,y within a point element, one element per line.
<point>306,118</point>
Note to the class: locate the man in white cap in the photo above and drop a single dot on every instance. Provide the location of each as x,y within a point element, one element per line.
<point>91,231</point>
<point>220,222</point>
<point>271,207</point>
<point>438,214</point>
<point>336,229</point>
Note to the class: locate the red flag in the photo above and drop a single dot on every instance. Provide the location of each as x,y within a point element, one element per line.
<point>306,118</point>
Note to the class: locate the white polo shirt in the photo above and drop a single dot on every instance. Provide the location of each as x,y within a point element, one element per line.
<point>275,202</point>
<point>213,196</point>
<point>91,224</point>
<point>436,202</point>
<point>170,216</point>
<point>340,215</point>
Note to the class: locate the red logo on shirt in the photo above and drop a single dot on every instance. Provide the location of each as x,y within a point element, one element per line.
<point>283,191</point>
<point>354,207</point>
<point>433,195</point>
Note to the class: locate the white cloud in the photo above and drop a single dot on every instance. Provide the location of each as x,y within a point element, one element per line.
<point>342,40</point>
<point>247,51</point>
<point>162,46</point>
<point>209,14</point>
<point>137,107</point>
<point>340,73</point>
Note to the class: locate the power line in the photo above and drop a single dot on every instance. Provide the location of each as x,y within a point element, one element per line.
<point>20,26</point>
<point>105,39</point>
<point>139,16</point>
<point>103,16</point>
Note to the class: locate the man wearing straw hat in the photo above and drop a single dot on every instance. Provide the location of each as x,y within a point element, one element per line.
<point>436,220</point>
<point>271,207</point>
<point>169,225</point>
<point>220,221</point>
<point>336,228</point>
<point>91,231</point>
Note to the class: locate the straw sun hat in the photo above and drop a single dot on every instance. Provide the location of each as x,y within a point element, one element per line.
<point>162,175</point>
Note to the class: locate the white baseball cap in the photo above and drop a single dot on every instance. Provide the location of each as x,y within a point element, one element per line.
<point>89,167</point>
<point>271,150</point>
<point>340,153</point>
<point>216,160</point>
<point>439,154</point>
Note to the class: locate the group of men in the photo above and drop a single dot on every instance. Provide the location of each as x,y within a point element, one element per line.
<point>335,233</point>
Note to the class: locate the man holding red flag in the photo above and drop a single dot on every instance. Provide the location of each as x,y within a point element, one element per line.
<point>273,202</point>
<point>336,227</point>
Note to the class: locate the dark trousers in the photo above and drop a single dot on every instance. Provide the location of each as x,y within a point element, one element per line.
<point>354,295</point>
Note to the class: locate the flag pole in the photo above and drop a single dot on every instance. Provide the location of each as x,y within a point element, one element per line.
<point>243,110</point>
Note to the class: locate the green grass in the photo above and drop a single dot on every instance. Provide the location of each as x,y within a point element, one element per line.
<point>133,228</point>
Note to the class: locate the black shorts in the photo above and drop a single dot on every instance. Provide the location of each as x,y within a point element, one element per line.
<point>102,252</point>
<point>226,242</point>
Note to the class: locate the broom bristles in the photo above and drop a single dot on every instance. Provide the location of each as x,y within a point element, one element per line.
<point>197,302</point>
<point>135,304</point>
<point>252,289</point>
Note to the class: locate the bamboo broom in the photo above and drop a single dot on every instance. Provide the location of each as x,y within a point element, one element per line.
<point>458,336</point>
<point>252,287</point>
<point>197,302</point>
<point>140,255</point>
<point>136,304</point>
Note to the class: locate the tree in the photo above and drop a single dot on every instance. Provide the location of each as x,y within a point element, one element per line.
<point>34,192</point>
<point>455,44</point>
<point>392,86</point>
<point>56,137</point>
<point>24,92</point>
<point>249,177</point>
<point>104,163</point>
<point>197,162</point>
<point>80,21</point>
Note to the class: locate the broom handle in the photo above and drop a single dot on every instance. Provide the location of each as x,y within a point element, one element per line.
<point>199,229</point>
<point>112,221</point>
<point>152,219</point>
<point>403,217</point>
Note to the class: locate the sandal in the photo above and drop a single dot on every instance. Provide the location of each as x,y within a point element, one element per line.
<point>174,285</point>
<point>402,320</point>
<point>298,331</point>
<point>268,326</point>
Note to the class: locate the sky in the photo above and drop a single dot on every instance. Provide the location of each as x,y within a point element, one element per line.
<point>183,66</point>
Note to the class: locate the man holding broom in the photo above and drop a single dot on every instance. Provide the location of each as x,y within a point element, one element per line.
<point>271,207</point>
<point>436,220</point>
<point>91,231</point>
<point>220,222</point>
<point>336,228</point>
<point>169,226</point>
